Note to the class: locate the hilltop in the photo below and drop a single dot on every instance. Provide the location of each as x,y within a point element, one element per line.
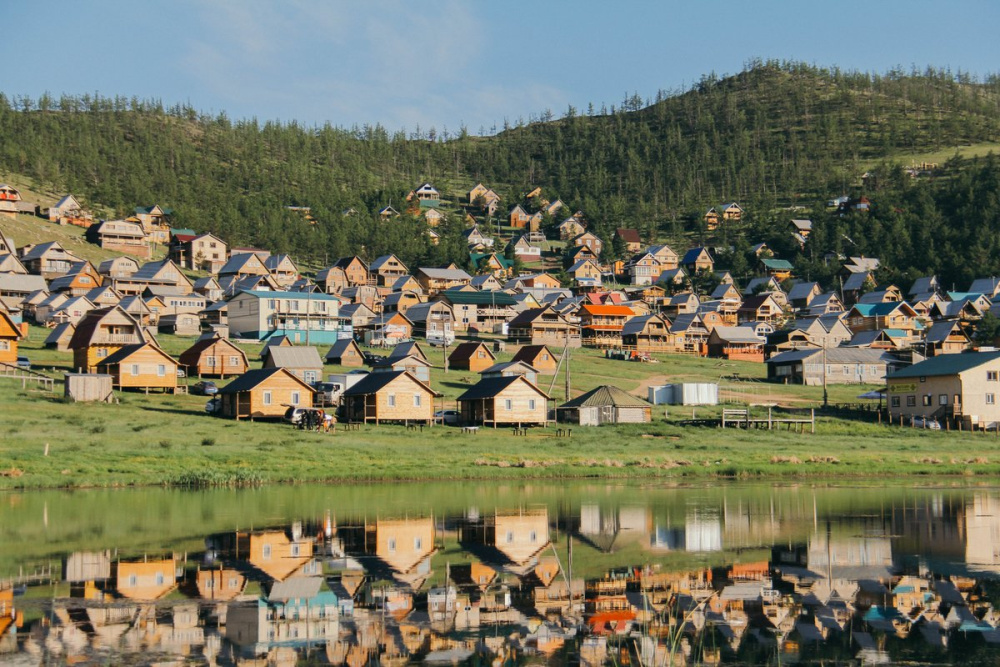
<point>771,136</point>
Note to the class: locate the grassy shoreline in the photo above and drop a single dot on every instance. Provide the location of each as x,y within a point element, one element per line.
<point>168,440</point>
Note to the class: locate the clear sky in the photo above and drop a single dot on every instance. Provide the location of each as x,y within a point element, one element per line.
<point>452,62</point>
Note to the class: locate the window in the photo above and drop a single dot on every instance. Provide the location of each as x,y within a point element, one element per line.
<point>392,400</point>
<point>102,353</point>
<point>210,362</point>
<point>991,399</point>
<point>911,401</point>
<point>296,549</point>
<point>927,399</point>
<point>895,401</point>
<point>416,400</point>
<point>4,345</point>
<point>161,370</point>
<point>507,404</point>
<point>943,399</point>
<point>135,369</point>
<point>266,552</point>
<point>295,398</point>
<point>923,379</point>
<point>418,543</point>
<point>991,376</point>
<point>531,404</point>
<point>210,583</point>
<point>392,544</point>
<point>481,354</point>
<point>266,398</point>
<point>159,578</point>
<point>533,537</point>
<point>133,580</point>
<point>510,537</point>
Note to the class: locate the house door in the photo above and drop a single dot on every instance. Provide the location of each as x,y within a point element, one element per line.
<point>606,415</point>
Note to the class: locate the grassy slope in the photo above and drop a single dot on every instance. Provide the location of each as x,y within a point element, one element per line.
<point>167,439</point>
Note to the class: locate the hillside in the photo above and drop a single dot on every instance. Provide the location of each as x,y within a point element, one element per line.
<point>776,134</point>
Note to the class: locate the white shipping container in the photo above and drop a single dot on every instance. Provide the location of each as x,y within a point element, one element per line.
<point>688,393</point>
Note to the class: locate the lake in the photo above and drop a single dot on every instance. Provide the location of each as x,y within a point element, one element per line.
<point>495,572</point>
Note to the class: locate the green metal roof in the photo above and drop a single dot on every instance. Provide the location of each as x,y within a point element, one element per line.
<point>946,364</point>
<point>777,264</point>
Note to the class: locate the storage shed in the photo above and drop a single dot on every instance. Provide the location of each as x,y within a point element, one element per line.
<point>87,387</point>
<point>606,404</point>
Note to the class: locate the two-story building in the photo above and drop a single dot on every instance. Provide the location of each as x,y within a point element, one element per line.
<point>310,318</point>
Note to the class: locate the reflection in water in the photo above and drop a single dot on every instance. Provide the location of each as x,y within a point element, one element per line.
<point>588,574</point>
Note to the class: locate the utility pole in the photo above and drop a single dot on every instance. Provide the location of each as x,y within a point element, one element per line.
<point>566,355</point>
<point>826,396</point>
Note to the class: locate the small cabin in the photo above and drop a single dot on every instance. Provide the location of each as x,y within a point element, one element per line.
<point>394,396</point>
<point>606,404</point>
<point>412,364</point>
<point>303,361</point>
<point>10,336</point>
<point>264,393</point>
<point>345,352</point>
<point>143,366</point>
<point>539,357</point>
<point>214,356</point>
<point>511,400</point>
<point>471,356</point>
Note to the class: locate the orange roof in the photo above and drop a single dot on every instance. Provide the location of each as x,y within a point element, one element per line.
<point>608,310</point>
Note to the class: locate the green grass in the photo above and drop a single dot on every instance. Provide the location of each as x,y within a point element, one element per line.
<point>942,155</point>
<point>158,439</point>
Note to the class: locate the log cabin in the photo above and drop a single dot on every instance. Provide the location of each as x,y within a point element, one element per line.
<point>10,336</point>
<point>472,356</point>
<point>101,333</point>
<point>345,352</point>
<point>539,357</point>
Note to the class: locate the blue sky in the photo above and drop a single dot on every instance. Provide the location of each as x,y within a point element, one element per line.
<point>447,63</point>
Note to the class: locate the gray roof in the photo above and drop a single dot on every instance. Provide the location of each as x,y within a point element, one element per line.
<point>835,355</point>
<point>757,283</point>
<point>249,380</point>
<point>636,324</point>
<point>802,290</point>
<point>294,357</point>
<point>737,334</point>
<point>856,281</point>
<point>606,395</point>
<point>946,364</point>
<point>940,331</point>
<point>927,284</point>
<point>985,285</point>
<point>490,387</point>
<point>373,382</point>
<point>40,249</point>
<point>295,588</point>
<point>236,262</point>
<point>20,282</point>
<point>338,349</point>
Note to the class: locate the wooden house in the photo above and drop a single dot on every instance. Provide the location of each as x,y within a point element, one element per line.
<point>606,404</point>
<point>511,368</point>
<point>264,393</point>
<point>119,267</point>
<point>345,352</point>
<point>946,337</point>
<point>121,236</point>
<point>49,260</point>
<point>355,271</point>
<point>244,264</point>
<point>760,308</point>
<point>394,396</point>
<point>142,366</point>
<point>147,580</point>
<point>163,273</point>
<point>471,356</point>
<point>332,280</point>
<point>497,401</point>
<point>58,338</point>
<point>518,217</point>
<point>732,343</point>
<point>434,280</point>
<point>304,362</point>
<point>539,357</point>
<point>69,211</point>
<point>386,270</point>
<point>10,335</point>
<point>585,271</point>
<point>155,222</point>
<point>282,269</point>
<point>649,333</point>
<point>543,326</point>
<point>888,315</point>
<point>697,259</point>
<point>388,329</point>
<point>630,238</point>
<point>199,252</point>
<point>101,333</point>
<point>590,240</point>
<point>401,302</point>
<point>731,212</point>
<point>779,269</point>
<point>179,324</point>
<point>387,213</point>
<point>416,366</point>
<point>433,216</point>
<point>214,356</point>
<point>570,227</point>
<point>601,325</point>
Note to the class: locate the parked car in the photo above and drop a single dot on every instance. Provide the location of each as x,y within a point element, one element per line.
<point>293,415</point>
<point>24,362</point>
<point>204,388</point>
<point>925,422</point>
<point>448,417</point>
<point>213,406</point>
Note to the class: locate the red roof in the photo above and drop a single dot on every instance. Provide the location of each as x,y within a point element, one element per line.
<point>184,238</point>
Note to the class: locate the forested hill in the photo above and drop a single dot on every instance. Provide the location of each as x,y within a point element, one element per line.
<point>774,134</point>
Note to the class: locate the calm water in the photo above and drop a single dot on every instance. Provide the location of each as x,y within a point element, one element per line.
<point>498,573</point>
